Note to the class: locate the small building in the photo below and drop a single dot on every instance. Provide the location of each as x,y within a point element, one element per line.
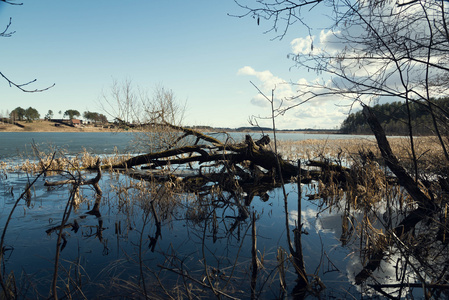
<point>76,122</point>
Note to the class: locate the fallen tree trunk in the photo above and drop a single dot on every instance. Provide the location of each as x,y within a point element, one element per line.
<point>425,205</point>
<point>214,151</point>
<point>250,166</point>
<point>392,161</point>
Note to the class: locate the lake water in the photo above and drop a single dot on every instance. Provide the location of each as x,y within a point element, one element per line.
<point>13,144</point>
<point>110,254</point>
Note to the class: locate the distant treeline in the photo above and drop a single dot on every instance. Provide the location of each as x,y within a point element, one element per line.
<point>394,118</point>
<point>265,129</point>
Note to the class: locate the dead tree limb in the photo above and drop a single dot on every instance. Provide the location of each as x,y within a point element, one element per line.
<point>76,183</point>
<point>213,151</point>
<point>425,206</point>
<point>94,181</point>
<point>392,161</point>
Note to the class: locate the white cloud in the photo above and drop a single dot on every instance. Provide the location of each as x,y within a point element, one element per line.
<point>328,41</point>
<point>325,116</point>
<point>319,112</point>
<point>312,112</point>
<point>266,77</point>
<point>302,45</point>
<point>260,101</point>
<point>268,82</point>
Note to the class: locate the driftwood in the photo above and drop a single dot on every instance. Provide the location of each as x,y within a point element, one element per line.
<point>75,227</point>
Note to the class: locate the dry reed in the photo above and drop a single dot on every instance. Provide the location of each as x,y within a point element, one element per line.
<point>428,149</point>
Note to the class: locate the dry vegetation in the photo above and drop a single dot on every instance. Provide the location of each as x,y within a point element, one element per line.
<point>428,150</point>
<point>57,161</point>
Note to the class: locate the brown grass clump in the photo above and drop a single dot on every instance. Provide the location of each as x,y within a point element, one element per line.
<point>315,149</point>
<point>57,163</point>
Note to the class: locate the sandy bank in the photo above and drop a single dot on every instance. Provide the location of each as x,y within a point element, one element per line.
<point>47,126</point>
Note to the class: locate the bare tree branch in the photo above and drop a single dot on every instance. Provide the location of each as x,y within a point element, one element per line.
<point>21,86</point>
<point>283,14</point>
<point>11,2</point>
<point>5,32</point>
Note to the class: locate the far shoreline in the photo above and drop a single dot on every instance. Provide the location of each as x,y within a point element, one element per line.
<point>48,126</point>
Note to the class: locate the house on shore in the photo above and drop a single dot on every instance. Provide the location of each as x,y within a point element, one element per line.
<point>76,122</point>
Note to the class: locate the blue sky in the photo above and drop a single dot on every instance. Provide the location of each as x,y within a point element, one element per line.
<point>191,47</point>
